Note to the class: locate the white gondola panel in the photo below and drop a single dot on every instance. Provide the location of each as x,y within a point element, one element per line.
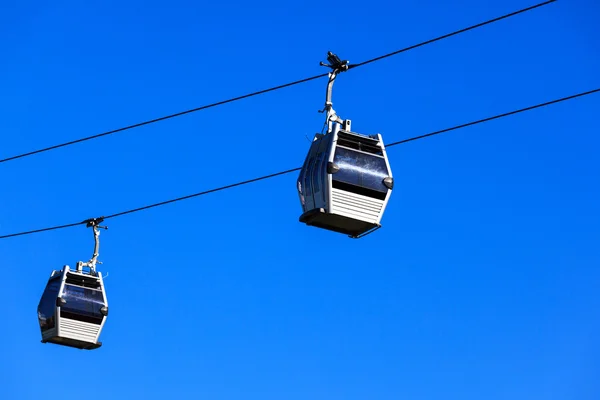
<point>73,309</point>
<point>345,183</point>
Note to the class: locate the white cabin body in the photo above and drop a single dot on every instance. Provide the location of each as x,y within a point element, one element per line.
<point>345,182</point>
<point>73,309</point>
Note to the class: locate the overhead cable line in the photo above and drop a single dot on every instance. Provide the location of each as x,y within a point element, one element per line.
<point>480,121</point>
<point>152,121</point>
<point>512,14</point>
<point>411,139</point>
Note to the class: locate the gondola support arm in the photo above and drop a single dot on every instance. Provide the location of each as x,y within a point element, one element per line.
<point>337,66</point>
<point>91,264</point>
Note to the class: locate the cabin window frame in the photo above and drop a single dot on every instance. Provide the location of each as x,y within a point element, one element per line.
<point>83,304</point>
<point>359,181</point>
<point>47,320</point>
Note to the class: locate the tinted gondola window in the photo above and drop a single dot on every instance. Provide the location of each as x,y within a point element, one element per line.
<point>82,304</point>
<point>315,173</point>
<point>47,306</point>
<point>308,178</point>
<point>360,169</point>
<point>323,175</point>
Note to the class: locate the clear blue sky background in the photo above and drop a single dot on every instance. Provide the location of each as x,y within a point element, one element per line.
<point>482,283</point>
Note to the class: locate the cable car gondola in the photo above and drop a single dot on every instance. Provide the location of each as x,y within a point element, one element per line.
<point>73,307</point>
<point>346,181</point>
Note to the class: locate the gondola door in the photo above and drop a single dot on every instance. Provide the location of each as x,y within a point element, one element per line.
<point>319,173</point>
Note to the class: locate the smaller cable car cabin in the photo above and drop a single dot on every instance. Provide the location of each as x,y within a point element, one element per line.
<point>346,180</point>
<point>73,309</point>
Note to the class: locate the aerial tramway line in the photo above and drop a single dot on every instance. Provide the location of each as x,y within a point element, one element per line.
<point>344,186</point>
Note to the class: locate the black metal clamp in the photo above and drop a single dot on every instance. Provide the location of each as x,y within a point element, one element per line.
<point>94,222</point>
<point>335,63</point>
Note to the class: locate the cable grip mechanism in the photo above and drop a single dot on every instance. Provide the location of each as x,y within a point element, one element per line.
<point>337,66</point>
<point>91,264</point>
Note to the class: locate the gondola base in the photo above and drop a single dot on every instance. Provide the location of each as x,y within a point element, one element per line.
<point>78,344</point>
<point>355,228</point>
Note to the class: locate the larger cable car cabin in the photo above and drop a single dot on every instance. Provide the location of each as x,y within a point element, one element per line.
<point>346,180</point>
<point>345,183</point>
<point>73,309</point>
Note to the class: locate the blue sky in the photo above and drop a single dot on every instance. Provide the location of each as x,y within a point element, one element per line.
<point>482,283</point>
